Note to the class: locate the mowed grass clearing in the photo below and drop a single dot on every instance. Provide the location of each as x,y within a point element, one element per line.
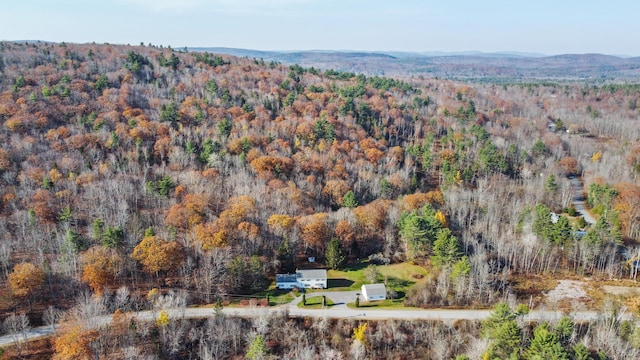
<point>399,277</point>
<point>315,302</point>
<point>379,304</point>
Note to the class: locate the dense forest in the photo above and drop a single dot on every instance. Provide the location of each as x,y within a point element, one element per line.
<point>138,175</point>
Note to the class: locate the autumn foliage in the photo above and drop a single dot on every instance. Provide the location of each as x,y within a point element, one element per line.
<point>190,212</point>
<point>417,200</point>
<point>101,266</point>
<point>25,280</point>
<point>74,343</point>
<point>210,236</point>
<point>280,223</point>
<point>234,158</point>
<point>314,230</point>
<point>158,255</point>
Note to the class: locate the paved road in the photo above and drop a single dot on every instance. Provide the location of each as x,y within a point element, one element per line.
<point>578,201</point>
<point>338,311</point>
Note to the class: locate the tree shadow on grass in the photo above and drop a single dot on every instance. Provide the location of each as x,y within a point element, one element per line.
<point>395,283</point>
<point>339,283</point>
<point>315,302</point>
<point>357,266</point>
<point>367,305</point>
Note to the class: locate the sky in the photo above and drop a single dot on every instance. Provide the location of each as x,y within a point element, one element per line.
<point>542,26</point>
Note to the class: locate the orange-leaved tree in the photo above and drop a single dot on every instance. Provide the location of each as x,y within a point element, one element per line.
<point>372,216</point>
<point>627,206</point>
<point>314,230</point>
<point>335,190</point>
<point>210,236</point>
<point>101,265</point>
<point>74,343</point>
<point>190,212</point>
<point>156,254</point>
<point>417,200</point>
<point>238,208</point>
<point>248,230</point>
<point>25,280</point>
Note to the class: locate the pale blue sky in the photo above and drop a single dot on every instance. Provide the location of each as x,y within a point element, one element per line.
<point>540,26</point>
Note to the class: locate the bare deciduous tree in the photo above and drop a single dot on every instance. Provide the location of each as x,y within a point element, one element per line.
<point>51,316</point>
<point>18,326</point>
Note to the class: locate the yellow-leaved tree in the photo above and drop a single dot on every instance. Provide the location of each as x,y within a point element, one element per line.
<point>163,318</point>
<point>441,218</point>
<point>596,156</point>
<point>359,345</point>
<point>280,224</point>
<point>359,333</point>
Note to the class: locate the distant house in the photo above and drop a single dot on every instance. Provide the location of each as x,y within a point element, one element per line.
<point>304,279</point>
<point>373,292</point>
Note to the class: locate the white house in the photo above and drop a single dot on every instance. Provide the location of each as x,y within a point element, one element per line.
<point>373,292</point>
<point>304,279</point>
<point>286,281</point>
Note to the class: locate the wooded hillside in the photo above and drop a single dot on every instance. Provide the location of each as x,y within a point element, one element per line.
<point>127,168</point>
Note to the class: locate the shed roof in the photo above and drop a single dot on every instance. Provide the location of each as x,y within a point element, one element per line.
<point>374,290</point>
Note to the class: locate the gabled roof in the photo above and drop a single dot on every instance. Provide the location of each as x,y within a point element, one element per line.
<point>375,290</point>
<point>312,274</point>
<point>285,278</point>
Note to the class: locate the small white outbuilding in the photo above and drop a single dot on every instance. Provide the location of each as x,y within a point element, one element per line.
<point>373,292</point>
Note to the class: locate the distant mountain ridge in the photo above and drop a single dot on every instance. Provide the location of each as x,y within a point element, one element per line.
<point>469,65</point>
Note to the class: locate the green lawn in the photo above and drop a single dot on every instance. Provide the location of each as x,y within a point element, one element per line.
<point>281,299</point>
<point>384,304</point>
<point>399,277</point>
<point>315,302</point>
<point>405,271</point>
<point>276,296</point>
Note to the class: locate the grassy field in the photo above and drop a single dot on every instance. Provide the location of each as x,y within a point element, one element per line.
<point>383,304</point>
<point>275,296</point>
<point>398,277</point>
<point>315,302</point>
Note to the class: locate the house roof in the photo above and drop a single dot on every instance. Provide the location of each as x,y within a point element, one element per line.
<point>374,289</point>
<point>312,274</point>
<point>285,278</point>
